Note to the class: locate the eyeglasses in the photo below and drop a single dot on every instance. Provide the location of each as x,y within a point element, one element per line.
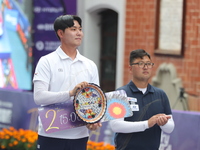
<point>143,64</point>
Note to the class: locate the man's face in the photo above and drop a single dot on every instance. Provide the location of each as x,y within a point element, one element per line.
<point>72,36</point>
<point>141,72</point>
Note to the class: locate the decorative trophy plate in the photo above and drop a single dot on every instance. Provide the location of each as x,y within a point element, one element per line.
<point>90,103</point>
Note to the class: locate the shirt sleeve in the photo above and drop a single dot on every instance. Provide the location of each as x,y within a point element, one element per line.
<point>169,126</point>
<point>121,126</point>
<point>44,97</point>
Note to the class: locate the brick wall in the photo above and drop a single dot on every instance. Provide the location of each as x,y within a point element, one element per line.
<point>140,33</point>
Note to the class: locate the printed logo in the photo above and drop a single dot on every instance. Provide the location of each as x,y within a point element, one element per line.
<point>38,146</point>
<point>60,70</point>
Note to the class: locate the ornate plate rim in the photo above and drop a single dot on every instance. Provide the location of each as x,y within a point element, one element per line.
<point>103,108</point>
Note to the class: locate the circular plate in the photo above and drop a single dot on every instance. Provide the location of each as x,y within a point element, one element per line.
<point>90,103</point>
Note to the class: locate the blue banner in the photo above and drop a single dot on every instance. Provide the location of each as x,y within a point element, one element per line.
<point>11,19</point>
<point>22,19</point>
<point>45,12</point>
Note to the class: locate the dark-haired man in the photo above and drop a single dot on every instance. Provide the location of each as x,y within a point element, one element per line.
<point>57,77</point>
<point>151,114</point>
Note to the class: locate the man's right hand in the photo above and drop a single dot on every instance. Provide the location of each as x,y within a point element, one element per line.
<point>77,87</point>
<point>160,119</point>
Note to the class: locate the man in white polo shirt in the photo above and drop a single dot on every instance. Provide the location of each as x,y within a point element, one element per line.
<point>57,77</point>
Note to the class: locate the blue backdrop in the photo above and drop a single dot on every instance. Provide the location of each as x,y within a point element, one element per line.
<point>18,109</point>
<point>45,12</point>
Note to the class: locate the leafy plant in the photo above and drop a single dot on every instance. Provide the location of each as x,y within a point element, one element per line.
<point>91,145</point>
<point>12,139</point>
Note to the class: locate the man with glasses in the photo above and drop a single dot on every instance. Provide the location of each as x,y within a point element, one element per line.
<point>151,114</point>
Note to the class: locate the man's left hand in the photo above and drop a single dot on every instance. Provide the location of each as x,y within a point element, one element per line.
<point>162,120</point>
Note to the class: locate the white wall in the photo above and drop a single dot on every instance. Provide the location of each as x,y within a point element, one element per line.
<point>88,11</point>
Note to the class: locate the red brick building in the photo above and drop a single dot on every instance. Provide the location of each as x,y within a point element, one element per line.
<point>141,23</point>
<point>141,33</point>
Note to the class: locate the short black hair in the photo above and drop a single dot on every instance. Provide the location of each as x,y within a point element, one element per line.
<point>138,53</point>
<point>65,21</point>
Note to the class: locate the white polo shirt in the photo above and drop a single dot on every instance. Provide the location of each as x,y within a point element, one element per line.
<point>63,74</point>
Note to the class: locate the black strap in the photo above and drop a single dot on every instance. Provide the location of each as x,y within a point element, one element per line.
<point>128,137</point>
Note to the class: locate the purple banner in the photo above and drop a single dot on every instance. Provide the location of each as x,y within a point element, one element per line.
<point>45,12</point>
<point>18,109</point>
<point>63,116</point>
<point>59,117</point>
<point>186,134</point>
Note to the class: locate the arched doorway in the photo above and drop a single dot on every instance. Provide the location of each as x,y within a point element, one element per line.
<point>108,25</point>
